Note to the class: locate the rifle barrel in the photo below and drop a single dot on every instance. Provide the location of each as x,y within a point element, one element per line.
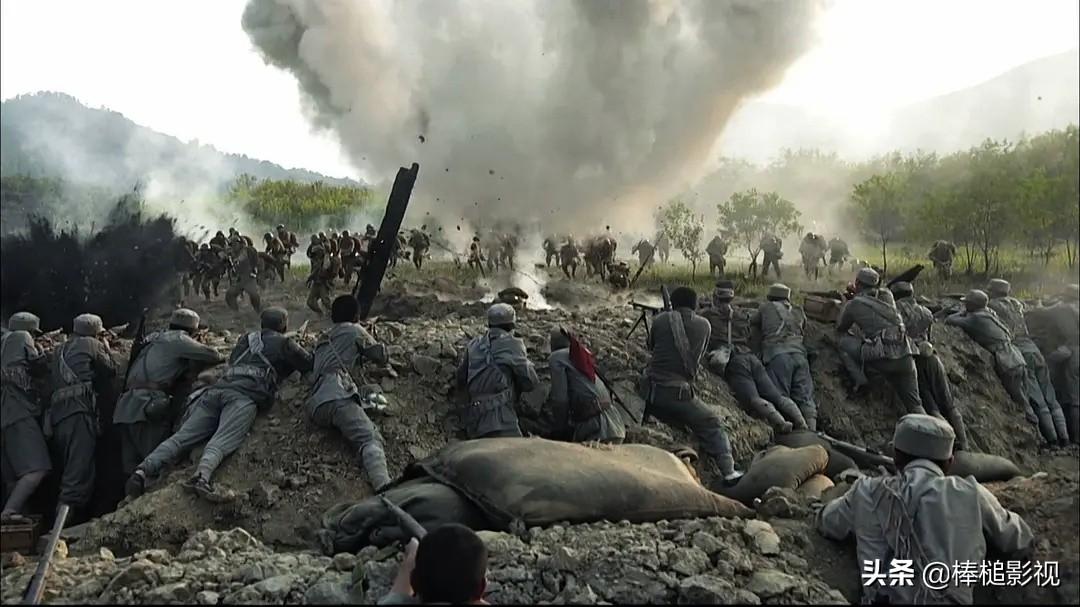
<point>37,583</point>
<point>407,522</point>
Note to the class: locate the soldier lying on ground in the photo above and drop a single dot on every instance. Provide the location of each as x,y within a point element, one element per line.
<point>779,327</point>
<point>956,516</point>
<point>225,411</point>
<point>335,397</point>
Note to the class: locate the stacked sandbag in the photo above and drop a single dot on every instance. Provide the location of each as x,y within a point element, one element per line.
<point>984,467</point>
<point>838,462</point>
<point>538,482</point>
<point>778,466</point>
<point>815,486</point>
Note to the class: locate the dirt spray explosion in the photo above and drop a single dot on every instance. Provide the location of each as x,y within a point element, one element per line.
<point>114,272</point>
<point>551,110</point>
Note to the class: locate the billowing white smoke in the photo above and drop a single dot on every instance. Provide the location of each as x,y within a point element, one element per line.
<point>551,110</point>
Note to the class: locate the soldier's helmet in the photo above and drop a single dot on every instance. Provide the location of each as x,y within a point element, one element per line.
<point>281,227</point>
<point>185,319</point>
<point>322,235</point>
<point>345,233</point>
<point>975,298</point>
<point>501,314</point>
<point>204,246</point>
<point>24,321</point>
<point>219,234</point>
<point>867,277</point>
<point>88,325</point>
<point>233,231</point>
<point>267,236</point>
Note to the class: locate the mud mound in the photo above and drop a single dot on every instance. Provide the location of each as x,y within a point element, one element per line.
<point>711,560</point>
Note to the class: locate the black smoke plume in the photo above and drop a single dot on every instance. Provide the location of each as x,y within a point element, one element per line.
<point>114,272</point>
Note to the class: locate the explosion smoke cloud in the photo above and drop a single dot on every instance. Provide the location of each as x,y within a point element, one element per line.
<point>553,110</point>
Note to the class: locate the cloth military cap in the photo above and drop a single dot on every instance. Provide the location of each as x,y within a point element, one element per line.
<point>998,286</point>
<point>24,321</point>
<point>185,319</point>
<point>921,435</point>
<point>87,324</point>
<point>976,298</point>
<point>867,276</point>
<point>902,289</point>
<point>780,291</point>
<point>274,318</point>
<point>558,339</point>
<point>724,294</point>
<point>501,314</point>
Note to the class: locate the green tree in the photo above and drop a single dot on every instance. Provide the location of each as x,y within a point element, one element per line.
<point>878,205</point>
<point>684,229</point>
<point>749,215</point>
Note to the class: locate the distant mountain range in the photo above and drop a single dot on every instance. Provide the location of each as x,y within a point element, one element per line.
<point>1037,96</point>
<point>54,135</point>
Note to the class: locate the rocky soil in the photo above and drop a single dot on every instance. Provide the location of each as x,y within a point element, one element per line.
<point>169,546</point>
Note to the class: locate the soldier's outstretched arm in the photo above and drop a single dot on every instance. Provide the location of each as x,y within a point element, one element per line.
<point>193,350</point>
<point>299,359</point>
<point>836,520</point>
<point>371,349</point>
<point>1004,529</point>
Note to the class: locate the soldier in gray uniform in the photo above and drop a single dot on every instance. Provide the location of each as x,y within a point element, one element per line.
<point>581,406</point>
<point>983,325</point>
<point>144,413</point>
<point>335,397</point>
<point>772,252</point>
<point>883,344</point>
<point>743,371</point>
<point>1011,311</point>
<point>225,411</point>
<point>24,455</point>
<point>923,516</point>
<point>496,371</point>
<point>247,265</point>
<point>677,342</point>
<point>934,388</point>
<point>780,327</point>
<point>83,364</point>
<point>1065,360</point>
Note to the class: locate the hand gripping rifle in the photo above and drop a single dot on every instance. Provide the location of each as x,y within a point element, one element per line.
<point>405,520</point>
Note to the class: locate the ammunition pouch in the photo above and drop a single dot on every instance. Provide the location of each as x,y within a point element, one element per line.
<point>73,391</point>
<point>889,344</point>
<point>490,413</point>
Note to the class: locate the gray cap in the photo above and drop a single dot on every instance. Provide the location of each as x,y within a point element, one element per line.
<point>779,291</point>
<point>921,435</point>
<point>998,286</point>
<point>24,321</point>
<point>501,314</point>
<point>87,324</point>
<point>976,298</point>
<point>559,340</point>
<point>274,317</point>
<point>902,289</point>
<point>723,293</point>
<point>868,277</point>
<point>185,319</point>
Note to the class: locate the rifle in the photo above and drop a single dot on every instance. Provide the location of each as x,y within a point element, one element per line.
<point>405,520</point>
<point>618,399</point>
<point>908,275</point>
<point>137,345</point>
<point>37,583</point>
<point>664,293</point>
<point>865,456</point>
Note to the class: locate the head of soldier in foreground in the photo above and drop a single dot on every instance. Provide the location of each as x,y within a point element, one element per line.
<point>451,566</point>
<point>920,436</point>
<point>866,278</point>
<point>778,292</point>
<point>684,297</point>
<point>723,293</point>
<point>998,287</point>
<point>25,321</point>
<point>185,320</point>
<point>902,289</point>
<point>559,338</point>
<point>975,300</point>
<point>275,319</point>
<point>502,316</point>
<point>344,308</point>
<point>87,325</point>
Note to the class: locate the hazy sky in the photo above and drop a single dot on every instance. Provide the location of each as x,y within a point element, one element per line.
<point>188,69</point>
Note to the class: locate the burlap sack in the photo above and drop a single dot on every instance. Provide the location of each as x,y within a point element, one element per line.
<point>838,462</point>
<point>983,466</point>
<point>815,486</point>
<point>778,466</point>
<point>538,482</point>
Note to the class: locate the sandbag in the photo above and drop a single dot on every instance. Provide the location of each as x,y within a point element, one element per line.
<point>348,527</point>
<point>778,466</point>
<point>838,462</point>
<point>815,486</point>
<point>983,466</point>
<point>538,482</point>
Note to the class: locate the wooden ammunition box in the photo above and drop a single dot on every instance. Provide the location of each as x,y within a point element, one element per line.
<point>20,536</point>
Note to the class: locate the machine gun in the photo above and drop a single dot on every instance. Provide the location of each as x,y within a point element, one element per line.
<point>405,520</point>
<point>643,318</point>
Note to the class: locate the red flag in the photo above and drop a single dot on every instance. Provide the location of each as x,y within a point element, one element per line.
<point>582,358</point>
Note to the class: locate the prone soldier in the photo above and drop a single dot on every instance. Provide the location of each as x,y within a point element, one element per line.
<point>779,326</point>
